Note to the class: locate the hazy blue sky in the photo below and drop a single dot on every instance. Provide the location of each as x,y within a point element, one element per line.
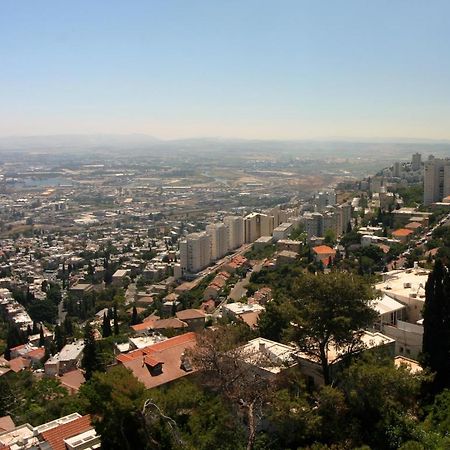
<point>260,69</point>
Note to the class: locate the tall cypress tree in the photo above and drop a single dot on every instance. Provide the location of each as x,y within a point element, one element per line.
<point>106,326</point>
<point>41,337</point>
<point>90,361</point>
<point>134,316</point>
<point>436,328</point>
<point>59,339</point>
<point>116,321</point>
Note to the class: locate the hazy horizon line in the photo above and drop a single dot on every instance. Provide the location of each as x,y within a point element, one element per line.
<point>225,138</point>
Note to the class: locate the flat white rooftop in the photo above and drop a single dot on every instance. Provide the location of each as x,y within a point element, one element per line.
<point>406,283</point>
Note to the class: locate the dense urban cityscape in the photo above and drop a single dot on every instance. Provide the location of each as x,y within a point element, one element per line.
<point>158,274</point>
<point>224,225</point>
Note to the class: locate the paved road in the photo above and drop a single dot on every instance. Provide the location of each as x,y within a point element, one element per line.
<point>61,313</point>
<point>239,290</point>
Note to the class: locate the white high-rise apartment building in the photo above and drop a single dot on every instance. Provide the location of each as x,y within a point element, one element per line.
<point>218,234</point>
<point>252,227</point>
<point>195,252</point>
<point>235,226</point>
<point>436,184</point>
<point>267,225</point>
<point>257,225</point>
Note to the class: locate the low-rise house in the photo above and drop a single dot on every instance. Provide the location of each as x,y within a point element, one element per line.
<point>72,380</point>
<point>389,311</point>
<point>72,432</point>
<point>81,289</point>
<point>154,323</point>
<point>236,263</point>
<point>286,257</point>
<point>312,368</point>
<point>171,306</point>
<point>269,357</point>
<point>64,361</point>
<point>248,313</point>
<point>415,227</point>
<point>261,296</point>
<point>194,318</point>
<point>119,277</point>
<point>402,234</point>
<point>18,364</point>
<point>160,363</point>
<point>216,285</point>
<point>208,306</point>
<point>6,424</point>
<point>139,342</point>
<point>262,242</point>
<point>290,245</point>
<point>324,254</point>
<point>413,366</point>
<point>407,286</point>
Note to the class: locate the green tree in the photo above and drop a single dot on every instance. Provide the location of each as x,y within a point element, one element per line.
<point>115,320</point>
<point>224,368</point>
<point>382,401</point>
<point>14,337</point>
<point>134,316</point>
<point>115,400</point>
<point>106,326</point>
<point>330,311</point>
<point>59,339</point>
<point>43,311</point>
<point>275,319</point>
<point>330,237</point>
<point>68,326</point>
<point>436,328</point>
<point>91,360</point>
<point>41,337</point>
<point>438,418</point>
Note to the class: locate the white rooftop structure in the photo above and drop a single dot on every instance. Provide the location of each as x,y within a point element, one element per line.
<point>145,341</point>
<point>242,308</point>
<point>89,440</point>
<point>22,437</point>
<point>386,304</point>
<point>55,423</point>
<point>268,355</point>
<point>404,283</point>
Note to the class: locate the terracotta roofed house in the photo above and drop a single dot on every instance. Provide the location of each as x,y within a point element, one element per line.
<point>402,234</point>
<point>324,253</point>
<point>57,436</point>
<point>160,363</point>
<point>194,318</point>
<point>6,424</point>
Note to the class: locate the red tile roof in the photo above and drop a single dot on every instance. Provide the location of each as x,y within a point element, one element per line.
<point>19,363</point>
<point>37,354</point>
<point>146,324</point>
<point>152,362</point>
<point>6,424</point>
<point>168,352</point>
<point>55,436</point>
<point>324,250</point>
<point>72,380</point>
<point>401,232</point>
<point>188,314</point>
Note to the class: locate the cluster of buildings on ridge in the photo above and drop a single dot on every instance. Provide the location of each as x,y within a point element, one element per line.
<point>319,216</point>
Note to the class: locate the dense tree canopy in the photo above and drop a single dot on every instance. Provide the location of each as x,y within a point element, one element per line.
<point>330,310</point>
<point>436,327</point>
